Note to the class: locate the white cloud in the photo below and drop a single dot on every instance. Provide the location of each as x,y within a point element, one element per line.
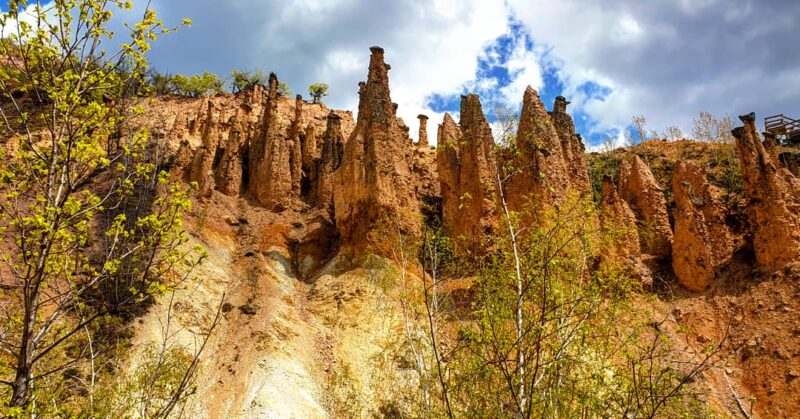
<point>524,66</point>
<point>671,60</point>
<point>29,15</point>
<point>667,60</point>
<point>433,46</point>
<point>610,142</point>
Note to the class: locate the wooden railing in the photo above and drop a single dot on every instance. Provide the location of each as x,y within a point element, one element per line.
<point>782,125</point>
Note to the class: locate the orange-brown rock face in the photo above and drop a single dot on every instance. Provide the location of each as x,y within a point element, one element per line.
<point>309,147</point>
<point>222,137</point>
<point>701,242</point>
<point>639,189</point>
<point>542,177</point>
<point>426,179</point>
<point>423,130</point>
<point>374,189</point>
<point>270,158</point>
<point>201,170</point>
<point>235,138</point>
<point>466,164</point>
<point>618,222</point>
<point>296,146</point>
<point>223,126</point>
<point>773,195</point>
<point>328,163</point>
<point>448,164</point>
<point>571,146</point>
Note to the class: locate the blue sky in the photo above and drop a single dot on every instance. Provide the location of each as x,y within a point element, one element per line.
<point>494,73</point>
<point>667,60</point>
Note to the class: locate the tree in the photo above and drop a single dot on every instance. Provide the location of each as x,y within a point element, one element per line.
<point>609,143</point>
<point>197,85</point>
<point>637,132</point>
<point>243,80</point>
<point>505,125</point>
<point>91,229</point>
<point>318,91</point>
<point>673,133</point>
<point>159,83</point>
<point>706,127</point>
<point>542,335</point>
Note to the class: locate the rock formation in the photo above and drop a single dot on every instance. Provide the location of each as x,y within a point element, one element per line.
<point>448,163</point>
<point>618,223</point>
<point>296,138</point>
<point>269,158</point>
<point>702,241</point>
<point>426,179</point>
<point>571,146</point>
<point>235,139</point>
<point>373,189</point>
<point>221,141</point>
<point>466,165</point>
<point>423,130</point>
<point>328,163</point>
<point>310,150</point>
<point>201,170</point>
<point>639,189</point>
<point>773,195</point>
<point>223,127</point>
<point>541,176</point>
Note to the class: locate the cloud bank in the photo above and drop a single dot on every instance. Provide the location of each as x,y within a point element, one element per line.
<point>666,60</point>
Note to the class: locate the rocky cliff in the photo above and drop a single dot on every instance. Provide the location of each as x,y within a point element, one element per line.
<point>374,192</point>
<point>773,195</point>
<point>467,167</point>
<point>572,147</point>
<point>639,189</point>
<point>618,221</point>
<point>540,175</point>
<point>702,242</point>
<point>330,160</point>
<point>293,194</point>
<point>257,142</point>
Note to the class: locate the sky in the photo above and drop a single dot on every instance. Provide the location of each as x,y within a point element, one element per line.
<point>667,60</point>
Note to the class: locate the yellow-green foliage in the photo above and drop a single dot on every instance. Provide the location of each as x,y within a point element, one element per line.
<point>552,333</point>
<point>197,85</point>
<point>318,91</point>
<point>91,229</point>
<point>149,386</point>
<point>243,80</point>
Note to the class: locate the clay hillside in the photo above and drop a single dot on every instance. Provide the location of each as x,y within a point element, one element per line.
<point>293,195</point>
<point>251,254</point>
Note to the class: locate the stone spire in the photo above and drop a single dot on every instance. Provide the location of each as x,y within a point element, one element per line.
<point>639,189</point>
<point>542,175</point>
<point>617,220</point>
<point>270,172</point>
<point>310,151</point>
<point>423,130</point>
<point>229,173</point>
<point>296,146</point>
<point>374,195</point>
<point>329,161</point>
<point>773,195</point>
<point>466,165</point>
<point>448,165</point>
<point>701,242</point>
<point>571,146</point>
<point>201,170</point>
